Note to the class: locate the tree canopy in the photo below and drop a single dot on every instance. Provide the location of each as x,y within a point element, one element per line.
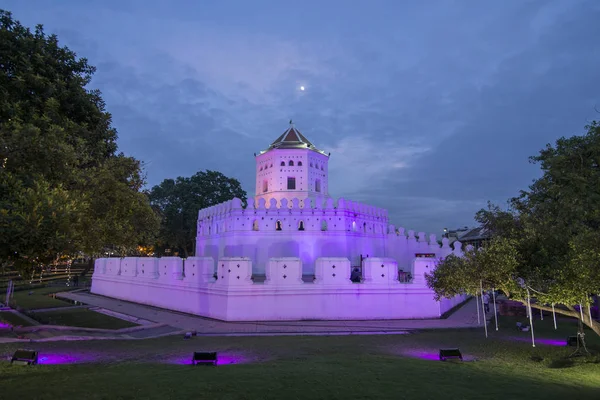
<point>63,186</point>
<point>178,202</point>
<point>547,242</point>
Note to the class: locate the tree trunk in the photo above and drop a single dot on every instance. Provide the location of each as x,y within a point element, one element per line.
<point>90,265</point>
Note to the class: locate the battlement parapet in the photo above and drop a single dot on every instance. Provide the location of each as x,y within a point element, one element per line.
<point>292,205</point>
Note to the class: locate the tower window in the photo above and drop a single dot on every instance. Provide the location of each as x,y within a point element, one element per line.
<point>278,225</point>
<point>291,163</point>
<point>265,186</point>
<point>291,183</point>
<point>317,185</point>
<point>299,163</point>
<point>283,163</point>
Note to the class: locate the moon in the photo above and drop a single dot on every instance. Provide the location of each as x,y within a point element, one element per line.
<point>302,88</point>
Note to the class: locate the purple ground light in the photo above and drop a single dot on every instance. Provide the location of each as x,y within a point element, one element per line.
<point>429,354</point>
<point>549,342</point>
<point>63,358</point>
<point>423,354</point>
<point>222,359</point>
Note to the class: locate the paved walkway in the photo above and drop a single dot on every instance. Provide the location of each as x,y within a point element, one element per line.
<point>464,317</point>
<point>44,333</point>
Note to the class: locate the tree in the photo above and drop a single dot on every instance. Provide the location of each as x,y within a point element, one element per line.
<point>63,186</point>
<point>178,202</point>
<point>547,244</point>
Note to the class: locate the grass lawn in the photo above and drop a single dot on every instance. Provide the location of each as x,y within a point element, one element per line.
<point>13,319</point>
<point>39,298</point>
<point>504,366</point>
<point>81,317</point>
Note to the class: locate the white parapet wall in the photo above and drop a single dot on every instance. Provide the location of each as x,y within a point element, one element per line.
<point>189,286</point>
<point>380,271</point>
<point>285,271</point>
<point>333,271</point>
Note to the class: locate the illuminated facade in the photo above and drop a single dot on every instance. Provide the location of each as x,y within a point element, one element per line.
<point>304,244</point>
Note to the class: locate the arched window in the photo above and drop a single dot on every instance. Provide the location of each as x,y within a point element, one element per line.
<point>353,226</point>
<point>323,225</point>
<point>321,168</point>
<point>364,227</point>
<point>261,168</point>
<point>278,225</point>
<point>311,165</point>
<point>209,230</point>
<point>291,163</point>
<point>283,163</point>
<point>255,225</point>
<point>301,226</point>
<point>299,163</point>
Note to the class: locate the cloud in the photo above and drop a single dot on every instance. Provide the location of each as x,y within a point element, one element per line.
<point>357,163</point>
<point>429,110</point>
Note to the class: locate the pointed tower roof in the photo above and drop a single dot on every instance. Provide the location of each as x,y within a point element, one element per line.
<point>293,139</point>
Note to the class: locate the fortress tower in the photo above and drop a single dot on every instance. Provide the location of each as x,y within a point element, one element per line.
<point>293,253</point>
<point>291,167</point>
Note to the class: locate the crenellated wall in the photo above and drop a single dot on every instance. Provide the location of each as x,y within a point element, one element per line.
<point>324,228</point>
<point>188,286</point>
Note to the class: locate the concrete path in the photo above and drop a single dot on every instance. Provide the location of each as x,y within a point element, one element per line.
<point>464,317</point>
<point>47,333</point>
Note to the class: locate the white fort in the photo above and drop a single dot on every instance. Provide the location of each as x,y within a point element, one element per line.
<point>293,253</point>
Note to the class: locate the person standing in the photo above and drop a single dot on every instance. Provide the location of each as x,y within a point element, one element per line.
<point>486,302</point>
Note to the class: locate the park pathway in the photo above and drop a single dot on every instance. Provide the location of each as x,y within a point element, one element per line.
<point>464,317</point>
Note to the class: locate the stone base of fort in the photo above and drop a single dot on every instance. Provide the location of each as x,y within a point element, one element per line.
<point>189,286</point>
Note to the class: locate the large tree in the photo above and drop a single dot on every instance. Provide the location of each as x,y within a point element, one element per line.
<point>63,186</point>
<point>179,201</point>
<point>547,244</point>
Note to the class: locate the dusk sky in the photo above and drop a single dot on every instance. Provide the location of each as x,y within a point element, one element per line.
<point>429,108</point>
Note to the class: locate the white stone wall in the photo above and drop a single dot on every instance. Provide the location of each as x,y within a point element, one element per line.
<point>333,271</point>
<point>330,229</point>
<point>284,271</point>
<point>177,286</point>
<point>380,271</point>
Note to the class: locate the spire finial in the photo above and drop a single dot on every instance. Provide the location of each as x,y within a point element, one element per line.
<point>291,123</point>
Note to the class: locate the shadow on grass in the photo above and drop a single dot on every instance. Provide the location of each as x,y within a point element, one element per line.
<point>562,363</point>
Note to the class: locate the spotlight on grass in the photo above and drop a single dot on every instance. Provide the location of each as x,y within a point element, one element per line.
<point>25,357</point>
<point>205,358</point>
<point>453,353</point>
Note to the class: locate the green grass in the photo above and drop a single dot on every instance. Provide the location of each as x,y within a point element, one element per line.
<point>310,367</point>
<point>39,298</point>
<point>13,319</point>
<point>81,317</point>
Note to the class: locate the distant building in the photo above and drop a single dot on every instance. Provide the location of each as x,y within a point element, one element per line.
<point>475,237</point>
